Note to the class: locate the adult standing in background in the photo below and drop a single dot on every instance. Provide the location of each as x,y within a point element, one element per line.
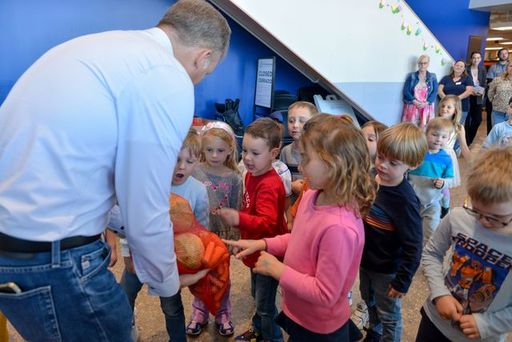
<point>500,92</point>
<point>478,74</point>
<point>494,71</point>
<point>97,119</point>
<point>419,94</point>
<point>457,83</point>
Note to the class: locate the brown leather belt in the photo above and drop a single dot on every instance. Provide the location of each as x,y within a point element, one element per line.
<point>15,245</point>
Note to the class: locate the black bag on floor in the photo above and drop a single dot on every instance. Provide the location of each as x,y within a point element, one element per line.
<point>228,112</point>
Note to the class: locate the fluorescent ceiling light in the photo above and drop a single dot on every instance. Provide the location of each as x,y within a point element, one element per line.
<point>493,48</point>
<point>502,28</point>
<point>494,38</point>
<point>505,43</point>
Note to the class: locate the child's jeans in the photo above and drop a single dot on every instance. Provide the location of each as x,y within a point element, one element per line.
<point>263,290</point>
<point>431,216</point>
<point>172,307</point>
<point>385,312</point>
<point>200,311</point>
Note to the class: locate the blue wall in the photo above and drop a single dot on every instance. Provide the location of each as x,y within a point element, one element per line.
<point>452,22</point>
<point>31,27</point>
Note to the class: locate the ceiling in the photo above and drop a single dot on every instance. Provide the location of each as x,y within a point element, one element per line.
<point>501,15</point>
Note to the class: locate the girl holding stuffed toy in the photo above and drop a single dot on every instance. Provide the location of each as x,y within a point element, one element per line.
<point>323,251</point>
<point>219,173</point>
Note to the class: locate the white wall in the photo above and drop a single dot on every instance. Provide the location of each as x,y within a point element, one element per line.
<point>365,47</point>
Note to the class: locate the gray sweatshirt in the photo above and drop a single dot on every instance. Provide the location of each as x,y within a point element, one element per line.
<point>477,273</point>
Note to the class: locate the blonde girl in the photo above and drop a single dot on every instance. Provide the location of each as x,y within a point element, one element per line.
<point>219,173</point>
<point>450,108</point>
<point>323,251</point>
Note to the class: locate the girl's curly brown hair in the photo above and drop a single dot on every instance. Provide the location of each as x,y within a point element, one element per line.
<point>343,148</point>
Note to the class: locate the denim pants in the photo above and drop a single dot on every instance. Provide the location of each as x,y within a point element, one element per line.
<point>172,307</point>
<point>385,312</point>
<point>67,295</point>
<point>431,216</point>
<point>263,290</point>
<point>498,117</point>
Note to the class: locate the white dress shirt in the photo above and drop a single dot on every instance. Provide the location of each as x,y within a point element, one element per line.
<point>97,118</point>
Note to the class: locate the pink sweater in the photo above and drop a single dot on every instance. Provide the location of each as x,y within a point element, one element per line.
<point>322,256</point>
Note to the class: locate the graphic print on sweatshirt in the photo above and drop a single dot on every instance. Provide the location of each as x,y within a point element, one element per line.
<point>476,273</point>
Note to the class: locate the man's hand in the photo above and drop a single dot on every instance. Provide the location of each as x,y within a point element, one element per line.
<point>191,279</point>
<point>268,264</point>
<point>448,307</point>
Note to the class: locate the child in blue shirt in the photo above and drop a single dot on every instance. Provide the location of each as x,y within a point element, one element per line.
<point>433,175</point>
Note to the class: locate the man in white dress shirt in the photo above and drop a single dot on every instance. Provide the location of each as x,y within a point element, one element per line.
<point>96,120</point>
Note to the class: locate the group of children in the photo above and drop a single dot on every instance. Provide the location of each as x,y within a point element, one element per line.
<point>361,214</point>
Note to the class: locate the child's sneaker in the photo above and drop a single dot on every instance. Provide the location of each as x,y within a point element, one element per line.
<point>360,316</point>
<point>249,336</point>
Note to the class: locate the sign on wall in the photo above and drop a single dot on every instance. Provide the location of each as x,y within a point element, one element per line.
<point>265,82</point>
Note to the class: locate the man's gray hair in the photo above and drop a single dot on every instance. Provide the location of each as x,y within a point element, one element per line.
<point>198,24</point>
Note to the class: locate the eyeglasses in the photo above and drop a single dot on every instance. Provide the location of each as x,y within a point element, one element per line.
<point>490,219</point>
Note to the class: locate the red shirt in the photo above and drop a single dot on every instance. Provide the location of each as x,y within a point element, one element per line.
<point>262,213</point>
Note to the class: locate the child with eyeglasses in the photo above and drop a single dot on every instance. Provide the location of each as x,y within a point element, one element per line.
<point>472,297</point>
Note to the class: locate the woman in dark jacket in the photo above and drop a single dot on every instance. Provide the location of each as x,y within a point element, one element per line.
<point>479,76</point>
<point>419,94</point>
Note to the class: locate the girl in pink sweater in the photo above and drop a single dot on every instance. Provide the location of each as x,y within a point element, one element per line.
<point>323,251</point>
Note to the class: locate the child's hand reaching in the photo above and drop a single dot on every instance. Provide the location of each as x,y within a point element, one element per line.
<point>243,248</point>
<point>268,265</point>
<point>394,293</point>
<point>230,216</point>
<point>297,186</point>
<point>468,326</point>
<point>438,183</point>
<point>448,307</point>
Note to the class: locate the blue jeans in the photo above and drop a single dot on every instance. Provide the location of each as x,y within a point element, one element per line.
<point>66,295</point>
<point>385,312</point>
<point>463,116</point>
<point>263,290</point>
<point>498,117</point>
<point>172,307</point>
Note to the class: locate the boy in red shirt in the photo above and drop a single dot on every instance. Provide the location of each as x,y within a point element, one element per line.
<point>261,216</point>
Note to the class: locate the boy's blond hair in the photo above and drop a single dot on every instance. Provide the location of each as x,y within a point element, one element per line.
<point>268,129</point>
<point>192,142</point>
<point>404,142</point>
<point>440,124</point>
<point>490,177</point>
<point>304,104</point>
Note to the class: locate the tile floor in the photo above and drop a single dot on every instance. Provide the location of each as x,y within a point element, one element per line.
<point>150,321</point>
